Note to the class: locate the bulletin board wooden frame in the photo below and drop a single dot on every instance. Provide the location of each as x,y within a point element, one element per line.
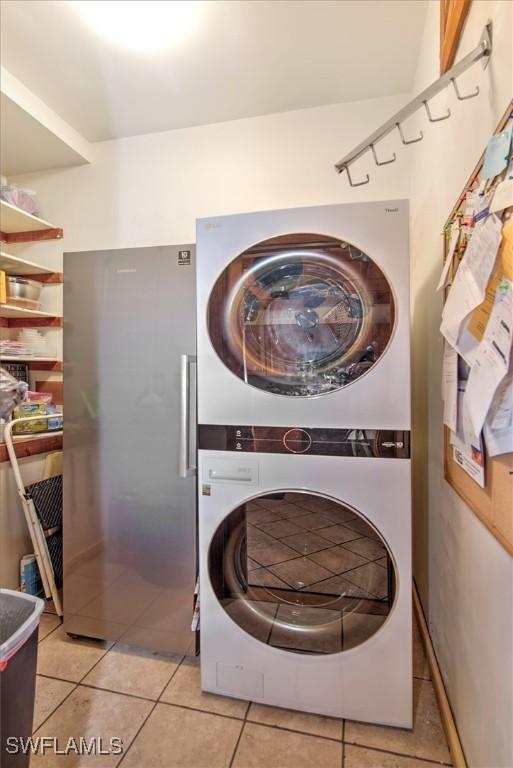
<point>493,504</point>
<point>452,17</point>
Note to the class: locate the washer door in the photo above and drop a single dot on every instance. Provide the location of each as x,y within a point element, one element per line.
<point>301,315</point>
<point>302,572</point>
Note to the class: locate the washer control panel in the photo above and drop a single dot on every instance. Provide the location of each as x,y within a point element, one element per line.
<point>372,443</point>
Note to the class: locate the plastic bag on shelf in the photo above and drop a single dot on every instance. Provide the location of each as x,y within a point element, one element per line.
<point>12,393</point>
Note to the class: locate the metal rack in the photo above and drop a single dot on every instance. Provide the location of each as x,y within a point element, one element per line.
<point>481,52</point>
<point>43,515</point>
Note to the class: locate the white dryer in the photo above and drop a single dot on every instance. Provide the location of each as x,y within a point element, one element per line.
<point>305,570</point>
<point>303,317</point>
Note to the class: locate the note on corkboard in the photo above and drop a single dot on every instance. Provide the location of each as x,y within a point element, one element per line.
<point>481,314</point>
<point>493,504</point>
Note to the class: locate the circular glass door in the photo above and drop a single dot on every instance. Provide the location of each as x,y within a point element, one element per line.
<point>301,315</point>
<point>302,572</point>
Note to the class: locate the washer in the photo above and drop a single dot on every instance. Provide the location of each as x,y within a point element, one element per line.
<point>305,569</point>
<point>303,317</point>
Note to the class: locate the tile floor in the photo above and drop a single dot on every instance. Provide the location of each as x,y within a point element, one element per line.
<point>153,702</point>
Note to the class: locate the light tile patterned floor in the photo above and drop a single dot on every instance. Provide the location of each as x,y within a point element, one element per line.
<point>154,703</point>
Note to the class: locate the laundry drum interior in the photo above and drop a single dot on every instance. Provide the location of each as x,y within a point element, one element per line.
<point>301,315</point>
<point>302,572</point>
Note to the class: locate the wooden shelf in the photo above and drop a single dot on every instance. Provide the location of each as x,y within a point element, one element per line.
<point>21,359</point>
<point>32,137</point>
<point>35,363</point>
<point>31,446</point>
<point>17,226</point>
<point>18,317</point>
<point>13,265</point>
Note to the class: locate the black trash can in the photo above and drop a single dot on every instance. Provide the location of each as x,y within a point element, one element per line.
<point>19,621</point>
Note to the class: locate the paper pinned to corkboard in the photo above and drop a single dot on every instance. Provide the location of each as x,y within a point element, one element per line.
<point>492,504</point>
<point>480,316</point>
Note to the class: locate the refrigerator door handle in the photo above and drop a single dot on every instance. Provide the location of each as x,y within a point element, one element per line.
<point>186,469</point>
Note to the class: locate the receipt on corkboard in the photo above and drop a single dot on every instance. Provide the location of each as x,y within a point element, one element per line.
<point>492,359</point>
<point>469,286</point>
<point>480,316</point>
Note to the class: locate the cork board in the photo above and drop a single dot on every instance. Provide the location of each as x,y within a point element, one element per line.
<point>493,504</point>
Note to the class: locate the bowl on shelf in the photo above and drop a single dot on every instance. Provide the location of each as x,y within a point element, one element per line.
<point>23,288</point>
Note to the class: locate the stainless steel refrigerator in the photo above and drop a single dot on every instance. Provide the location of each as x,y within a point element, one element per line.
<point>129,446</point>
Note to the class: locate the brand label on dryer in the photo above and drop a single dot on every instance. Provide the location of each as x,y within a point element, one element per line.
<point>184,258</point>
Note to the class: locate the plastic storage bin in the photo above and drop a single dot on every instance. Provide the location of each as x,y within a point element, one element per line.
<point>19,621</point>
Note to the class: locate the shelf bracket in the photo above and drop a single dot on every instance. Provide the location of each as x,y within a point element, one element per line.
<point>29,237</point>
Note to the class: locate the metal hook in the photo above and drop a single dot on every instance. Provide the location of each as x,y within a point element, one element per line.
<point>356,183</point>
<point>458,94</point>
<point>436,119</point>
<point>381,162</point>
<point>408,141</point>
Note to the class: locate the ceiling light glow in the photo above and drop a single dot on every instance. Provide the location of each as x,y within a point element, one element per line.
<point>143,25</point>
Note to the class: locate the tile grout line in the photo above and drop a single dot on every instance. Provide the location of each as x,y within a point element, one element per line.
<point>144,698</point>
<point>159,699</point>
<point>118,693</point>
<point>136,734</point>
<point>432,760</point>
<point>96,662</point>
<point>60,679</point>
<point>237,743</point>
<point>291,730</point>
<point>39,641</point>
<point>75,686</point>
<point>111,690</point>
<point>201,711</point>
<point>173,674</point>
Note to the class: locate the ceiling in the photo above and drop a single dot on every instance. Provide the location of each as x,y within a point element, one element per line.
<point>243,58</point>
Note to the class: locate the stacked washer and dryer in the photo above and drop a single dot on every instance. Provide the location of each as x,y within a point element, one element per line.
<point>304,459</point>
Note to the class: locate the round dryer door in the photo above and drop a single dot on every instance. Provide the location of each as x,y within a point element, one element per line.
<point>301,315</point>
<point>302,572</point>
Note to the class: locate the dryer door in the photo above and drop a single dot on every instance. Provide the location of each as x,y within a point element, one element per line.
<point>302,572</point>
<point>301,315</point>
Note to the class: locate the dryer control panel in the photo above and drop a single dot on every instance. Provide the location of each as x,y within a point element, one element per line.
<point>361,443</point>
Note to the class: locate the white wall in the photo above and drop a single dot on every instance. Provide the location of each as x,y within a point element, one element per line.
<point>464,575</point>
<point>149,190</point>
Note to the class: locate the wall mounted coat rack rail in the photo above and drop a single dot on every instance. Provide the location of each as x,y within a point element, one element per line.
<point>481,52</point>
